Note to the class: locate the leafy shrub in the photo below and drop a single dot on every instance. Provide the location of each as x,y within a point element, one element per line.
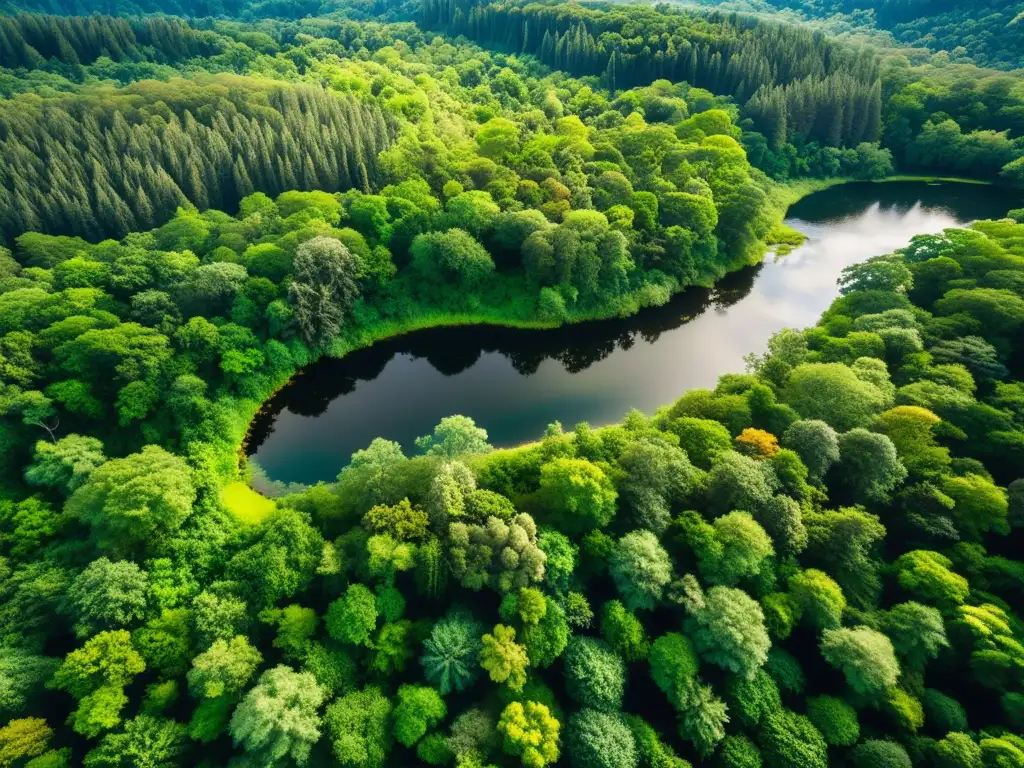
<point>836,720</point>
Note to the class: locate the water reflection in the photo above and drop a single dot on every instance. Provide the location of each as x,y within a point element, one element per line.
<point>514,382</point>
<point>453,351</point>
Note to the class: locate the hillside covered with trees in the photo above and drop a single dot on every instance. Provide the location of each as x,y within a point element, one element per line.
<point>814,564</point>
<point>317,112</point>
<point>986,32</point>
<point>803,92</point>
<point>111,123</point>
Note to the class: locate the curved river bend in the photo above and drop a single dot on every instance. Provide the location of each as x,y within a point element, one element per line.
<point>516,382</point>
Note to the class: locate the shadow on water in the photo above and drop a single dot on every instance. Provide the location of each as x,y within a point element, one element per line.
<point>515,382</point>
<point>451,351</point>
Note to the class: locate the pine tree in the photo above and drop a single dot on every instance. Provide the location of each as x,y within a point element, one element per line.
<point>243,186</point>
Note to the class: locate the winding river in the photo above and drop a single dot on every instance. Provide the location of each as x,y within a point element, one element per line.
<point>515,382</point>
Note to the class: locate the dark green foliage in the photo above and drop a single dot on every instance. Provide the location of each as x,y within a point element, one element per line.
<point>600,740</point>
<point>674,667</point>
<point>160,501</point>
<point>623,66</point>
<point>594,675</point>
<point>701,439</point>
<point>281,559</point>
<point>789,739</point>
<point>323,288</point>
<point>578,611</point>
<point>623,632</point>
<point>653,751</point>
<point>869,466</point>
<point>880,754</point>
<point>194,148</point>
<point>657,474</point>
<point>942,713</point>
<point>917,633</point>
<point>738,482</point>
<point>210,719</point>
<point>21,675</point>
<point>546,639</point>
<point>835,719</point>
<point>333,668</point>
<point>750,701</point>
<point>419,179</point>
<point>738,752</point>
<point>107,595</point>
<point>433,750</point>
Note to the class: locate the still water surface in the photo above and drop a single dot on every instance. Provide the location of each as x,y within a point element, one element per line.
<point>515,382</point>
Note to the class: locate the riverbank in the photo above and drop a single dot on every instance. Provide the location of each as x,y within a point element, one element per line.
<point>511,309</point>
<point>794,191</point>
<point>936,180</point>
<point>512,314</point>
<point>784,239</point>
<point>787,194</point>
<point>247,411</point>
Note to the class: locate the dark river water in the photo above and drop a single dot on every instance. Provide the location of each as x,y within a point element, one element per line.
<point>515,382</point>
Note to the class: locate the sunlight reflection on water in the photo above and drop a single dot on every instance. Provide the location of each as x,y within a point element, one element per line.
<point>514,383</point>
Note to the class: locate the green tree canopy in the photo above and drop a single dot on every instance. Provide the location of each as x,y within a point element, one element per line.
<point>131,503</point>
<point>278,719</point>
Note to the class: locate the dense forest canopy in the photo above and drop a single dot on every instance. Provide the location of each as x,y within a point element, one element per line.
<point>566,221</point>
<point>986,32</point>
<point>232,8</point>
<point>801,104</point>
<point>813,564</point>
<point>808,563</point>
<point>511,133</point>
<point>110,161</point>
<point>836,87</point>
<point>797,86</point>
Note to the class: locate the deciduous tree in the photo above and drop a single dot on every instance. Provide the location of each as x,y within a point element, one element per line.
<point>594,676</point>
<point>66,464</point>
<point>353,616</point>
<point>419,708</point>
<point>224,668</point>
<point>530,733</point>
<point>580,495</point>
<point>641,569</point>
<point>323,288</point>
<point>600,740</point>
<point>132,503</point>
<point>865,657</point>
<point>358,727</point>
<point>727,629</point>
<point>504,659</point>
<point>279,718</point>
<point>107,595</point>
